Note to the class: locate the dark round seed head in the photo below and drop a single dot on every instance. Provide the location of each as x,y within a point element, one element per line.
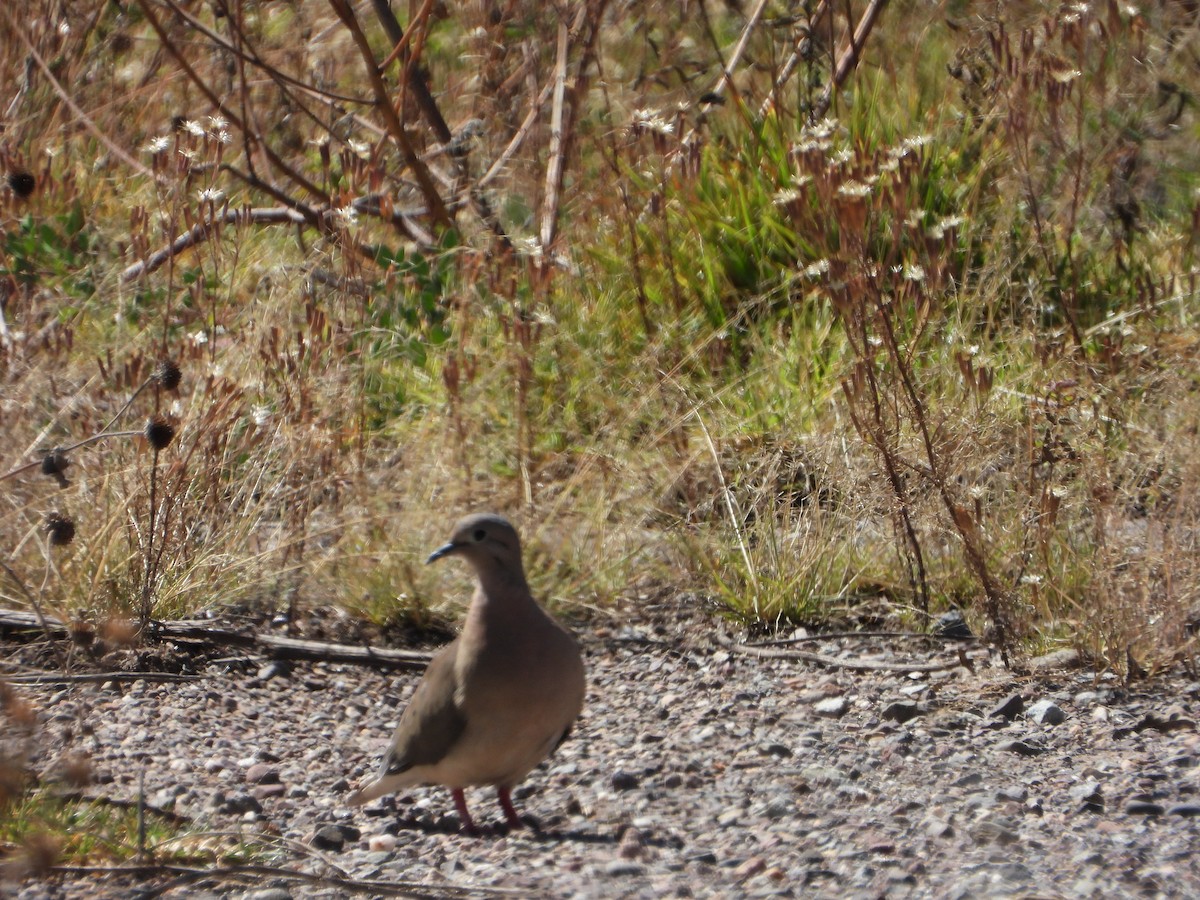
<point>54,464</point>
<point>61,529</point>
<point>168,374</point>
<point>159,432</point>
<point>22,183</point>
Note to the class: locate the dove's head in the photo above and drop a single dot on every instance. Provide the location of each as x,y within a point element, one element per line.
<point>488,542</point>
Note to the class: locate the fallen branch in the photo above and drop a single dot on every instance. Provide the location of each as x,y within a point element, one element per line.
<point>275,646</point>
<point>820,659</point>
<point>256,873</point>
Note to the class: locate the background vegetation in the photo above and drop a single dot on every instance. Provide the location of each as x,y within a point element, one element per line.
<point>708,309</point>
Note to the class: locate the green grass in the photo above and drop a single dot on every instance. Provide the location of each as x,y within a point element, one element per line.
<point>43,829</point>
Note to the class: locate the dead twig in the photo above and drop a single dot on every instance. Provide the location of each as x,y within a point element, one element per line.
<point>566,112</point>
<point>848,61</point>
<point>789,66</point>
<point>554,169</point>
<point>859,635</point>
<point>71,104</point>
<point>40,619</point>
<point>820,659</point>
<point>201,230</point>
<point>386,109</point>
<point>98,678</point>
<point>223,108</point>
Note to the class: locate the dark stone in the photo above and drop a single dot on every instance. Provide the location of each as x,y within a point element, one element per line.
<point>1187,810</point>
<point>262,773</point>
<point>239,804</point>
<point>1144,808</point>
<point>624,781</point>
<point>952,625</point>
<point>334,837</point>
<point>1009,708</point>
<point>1045,712</point>
<point>1089,796</point>
<point>1022,748</point>
<point>267,791</point>
<point>901,711</point>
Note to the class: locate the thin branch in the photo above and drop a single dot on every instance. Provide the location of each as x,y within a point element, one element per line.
<point>224,110</point>
<point>387,110</point>
<point>718,90</point>
<point>201,230</point>
<point>789,66</point>
<point>566,112</point>
<point>859,635</point>
<point>517,139</point>
<point>74,107</point>
<point>43,620</point>
<point>744,39</point>
<point>276,75</point>
<point>820,659</point>
<point>849,58</point>
<point>415,78</point>
<point>99,678</point>
<point>190,631</point>
<point>554,168</point>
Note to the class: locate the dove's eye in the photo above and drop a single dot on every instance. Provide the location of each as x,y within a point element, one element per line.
<point>480,534</point>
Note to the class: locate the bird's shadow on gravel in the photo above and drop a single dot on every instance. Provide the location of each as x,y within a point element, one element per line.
<point>532,830</point>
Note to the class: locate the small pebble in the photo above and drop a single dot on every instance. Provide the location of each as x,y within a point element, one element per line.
<point>901,711</point>
<point>623,868</point>
<point>1144,808</point>
<point>1044,712</point>
<point>832,707</point>
<point>262,773</point>
<point>750,867</point>
<point>381,842</point>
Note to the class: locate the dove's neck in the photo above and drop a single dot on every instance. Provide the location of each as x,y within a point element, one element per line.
<point>501,611</point>
<point>502,581</point>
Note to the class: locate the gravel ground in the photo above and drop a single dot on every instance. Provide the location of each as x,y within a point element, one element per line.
<point>696,771</point>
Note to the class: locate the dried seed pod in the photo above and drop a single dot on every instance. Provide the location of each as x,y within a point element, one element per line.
<point>75,769</point>
<point>159,432</point>
<point>54,464</point>
<point>61,529</point>
<point>168,374</point>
